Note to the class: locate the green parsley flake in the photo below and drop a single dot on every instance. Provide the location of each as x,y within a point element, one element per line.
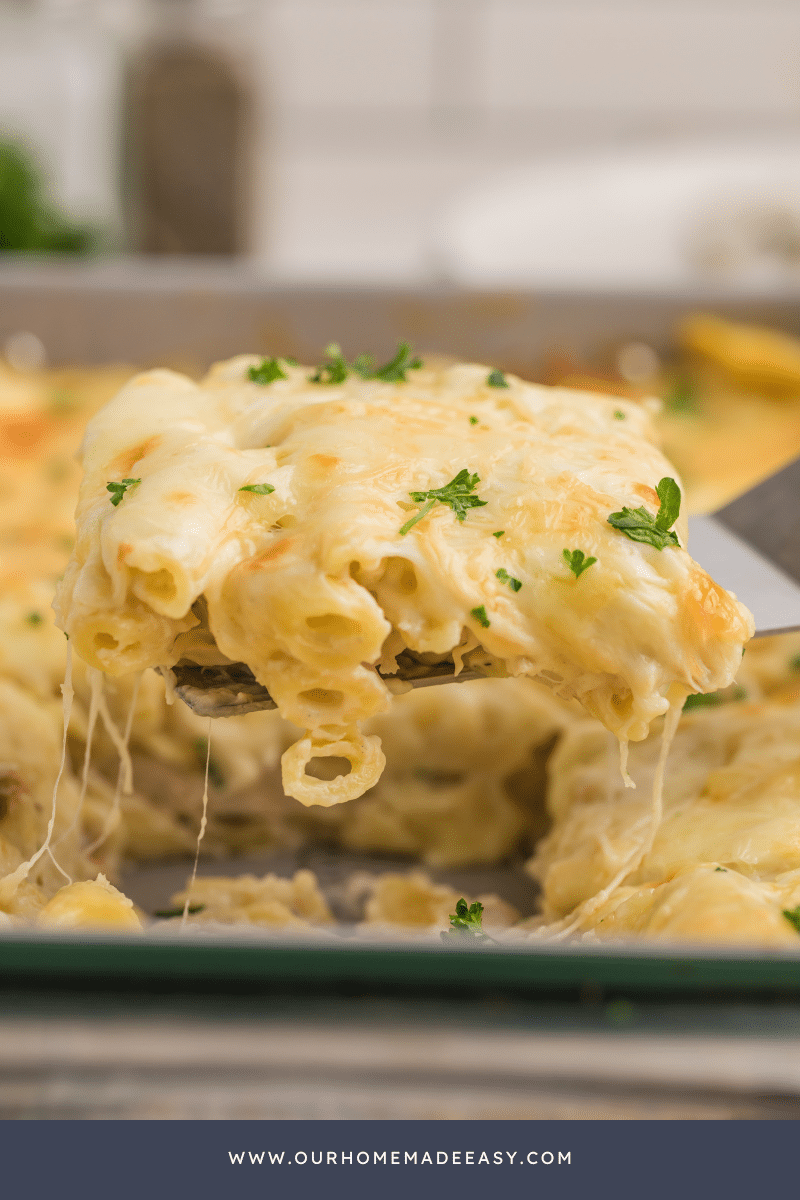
<point>473,420</point>
<point>467,921</point>
<point>34,618</point>
<point>577,561</point>
<point>793,916</point>
<point>118,490</point>
<point>504,577</point>
<point>683,396</point>
<point>395,370</point>
<point>456,493</point>
<point>712,699</point>
<point>269,370</point>
<point>702,700</point>
<point>498,533</point>
<point>337,369</point>
<point>480,616</point>
<point>496,379</point>
<point>794,663</point>
<point>260,489</point>
<point>178,912</point>
<point>619,415</point>
<point>641,526</point>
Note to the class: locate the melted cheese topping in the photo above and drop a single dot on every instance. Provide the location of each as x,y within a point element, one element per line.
<point>313,584</point>
<point>725,860</point>
<point>269,901</point>
<point>413,902</point>
<point>647,835</point>
<point>90,904</point>
<point>464,774</point>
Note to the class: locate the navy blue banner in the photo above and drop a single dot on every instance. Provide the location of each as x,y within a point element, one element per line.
<point>176,1160</point>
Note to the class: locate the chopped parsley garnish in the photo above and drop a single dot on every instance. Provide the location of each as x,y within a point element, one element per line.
<point>793,916</point>
<point>496,379</point>
<point>335,370</point>
<point>504,577</point>
<point>456,493</point>
<point>178,912</point>
<point>641,526</point>
<point>338,368</point>
<point>395,370</point>
<point>619,415</point>
<point>577,561</point>
<point>268,371</point>
<point>683,396</point>
<point>723,869</point>
<point>703,700</point>
<point>480,616</point>
<point>260,489</point>
<point>794,663</point>
<point>34,618</point>
<point>118,490</point>
<point>466,921</point>
<point>498,533</point>
<point>473,420</point>
<point>711,699</point>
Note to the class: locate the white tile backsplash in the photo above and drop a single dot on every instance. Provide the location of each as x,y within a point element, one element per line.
<point>61,93</point>
<point>641,57</point>
<point>371,53</point>
<point>356,215</point>
<point>370,114</point>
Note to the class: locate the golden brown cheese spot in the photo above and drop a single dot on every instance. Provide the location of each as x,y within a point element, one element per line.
<point>576,509</point>
<point>647,493</point>
<point>269,557</point>
<point>127,459</point>
<point>123,551</point>
<point>708,612</point>
<point>323,462</point>
<point>180,499</point>
<point>555,515</point>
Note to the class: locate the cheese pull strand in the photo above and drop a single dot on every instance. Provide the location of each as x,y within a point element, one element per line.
<point>96,679</point>
<point>202,830</point>
<point>10,883</point>
<point>591,905</point>
<point>121,740</point>
<point>125,772</point>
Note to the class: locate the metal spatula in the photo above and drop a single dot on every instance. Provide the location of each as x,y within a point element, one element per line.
<point>751,547</point>
<point>231,690</point>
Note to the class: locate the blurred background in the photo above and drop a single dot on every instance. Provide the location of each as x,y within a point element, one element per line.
<point>404,141</point>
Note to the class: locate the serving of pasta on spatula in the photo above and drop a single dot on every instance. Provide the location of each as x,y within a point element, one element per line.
<point>329,537</point>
